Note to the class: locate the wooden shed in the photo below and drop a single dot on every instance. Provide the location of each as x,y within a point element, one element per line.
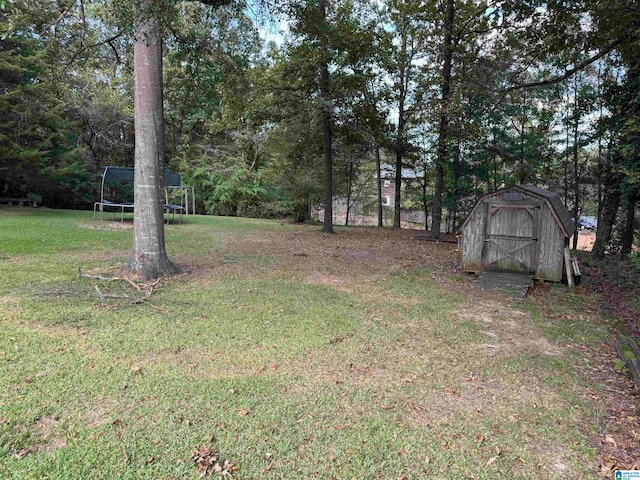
<point>521,228</point>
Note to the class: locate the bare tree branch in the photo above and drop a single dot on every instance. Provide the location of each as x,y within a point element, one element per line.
<point>98,44</point>
<point>569,72</point>
<point>144,288</point>
<point>215,3</point>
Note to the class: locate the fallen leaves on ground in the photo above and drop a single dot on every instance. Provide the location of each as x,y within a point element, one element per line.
<point>608,467</point>
<point>616,299</point>
<point>495,458</point>
<point>333,260</point>
<point>209,462</point>
<point>23,452</point>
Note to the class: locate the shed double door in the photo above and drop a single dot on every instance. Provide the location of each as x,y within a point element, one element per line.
<point>511,236</point>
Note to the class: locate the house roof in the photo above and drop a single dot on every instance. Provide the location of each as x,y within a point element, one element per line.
<point>388,172</point>
<point>559,211</point>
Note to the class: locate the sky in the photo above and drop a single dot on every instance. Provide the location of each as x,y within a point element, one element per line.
<point>271,27</point>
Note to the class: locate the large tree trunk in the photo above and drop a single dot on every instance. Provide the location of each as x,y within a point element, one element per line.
<point>599,179</point>
<point>600,166</point>
<point>443,127</point>
<point>149,258</point>
<point>566,165</point>
<point>325,98</point>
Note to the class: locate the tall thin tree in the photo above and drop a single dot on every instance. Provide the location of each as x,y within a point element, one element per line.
<point>325,99</point>
<point>443,126</point>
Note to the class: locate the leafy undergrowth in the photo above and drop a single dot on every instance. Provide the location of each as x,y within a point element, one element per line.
<point>618,283</point>
<point>284,353</point>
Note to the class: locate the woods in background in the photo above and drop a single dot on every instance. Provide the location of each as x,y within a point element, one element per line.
<point>467,95</point>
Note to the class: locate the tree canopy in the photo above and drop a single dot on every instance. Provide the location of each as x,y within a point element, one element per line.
<point>294,108</point>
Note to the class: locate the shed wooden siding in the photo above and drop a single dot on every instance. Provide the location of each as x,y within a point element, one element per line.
<point>472,242</point>
<point>551,244</point>
<point>510,226</point>
<point>501,222</point>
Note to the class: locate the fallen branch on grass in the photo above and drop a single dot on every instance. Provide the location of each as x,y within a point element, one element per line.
<point>138,286</point>
<point>146,289</point>
<point>113,295</point>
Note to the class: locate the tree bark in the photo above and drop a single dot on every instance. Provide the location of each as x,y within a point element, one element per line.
<point>523,167</point>
<point>149,258</point>
<point>600,164</point>
<point>349,191</point>
<point>610,204</point>
<point>457,176</point>
<point>379,186</point>
<point>425,204</point>
<point>403,68</point>
<point>629,231</point>
<point>325,98</point>
<point>443,127</point>
<point>566,165</point>
<point>576,170</point>
<point>397,194</point>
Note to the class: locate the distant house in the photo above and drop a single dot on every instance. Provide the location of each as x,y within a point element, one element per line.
<point>364,212</point>
<point>388,178</point>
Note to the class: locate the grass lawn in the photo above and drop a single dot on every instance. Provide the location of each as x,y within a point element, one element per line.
<point>292,354</point>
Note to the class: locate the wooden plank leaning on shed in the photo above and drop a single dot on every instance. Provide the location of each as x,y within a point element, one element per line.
<point>576,270</point>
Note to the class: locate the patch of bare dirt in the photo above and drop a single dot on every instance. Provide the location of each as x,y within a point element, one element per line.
<point>9,308</point>
<point>112,225</point>
<point>509,330</point>
<point>99,413</point>
<point>328,279</point>
<point>586,240</point>
<point>48,433</point>
<point>322,258</point>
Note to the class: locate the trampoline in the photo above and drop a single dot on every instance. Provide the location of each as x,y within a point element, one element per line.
<point>179,199</point>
